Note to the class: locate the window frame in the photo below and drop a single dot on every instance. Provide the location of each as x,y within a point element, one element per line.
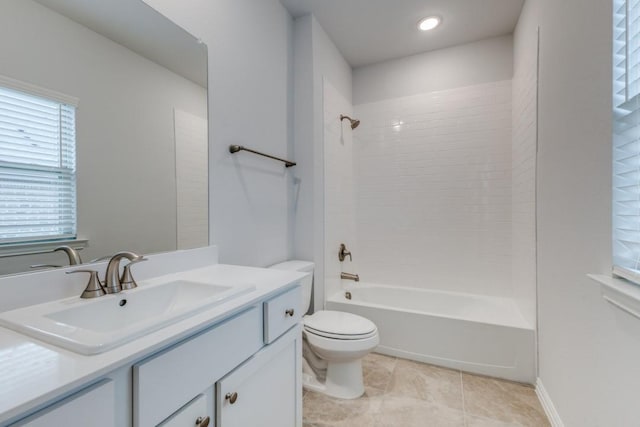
<point>40,244</point>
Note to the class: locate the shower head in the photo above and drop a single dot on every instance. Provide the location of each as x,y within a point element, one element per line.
<point>354,123</point>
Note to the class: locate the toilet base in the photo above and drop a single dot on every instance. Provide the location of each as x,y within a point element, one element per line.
<point>344,380</point>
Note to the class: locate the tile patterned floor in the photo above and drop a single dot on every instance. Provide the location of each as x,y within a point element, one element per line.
<point>402,393</point>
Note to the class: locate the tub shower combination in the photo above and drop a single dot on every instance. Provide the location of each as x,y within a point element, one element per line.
<point>479,334</point>
<point>482,334</point>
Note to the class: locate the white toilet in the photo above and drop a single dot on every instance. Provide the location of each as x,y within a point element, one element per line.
<point>334,344</point>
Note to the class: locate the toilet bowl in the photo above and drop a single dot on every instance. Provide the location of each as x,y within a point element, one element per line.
<point>334,344</point>
<point>343,350</point>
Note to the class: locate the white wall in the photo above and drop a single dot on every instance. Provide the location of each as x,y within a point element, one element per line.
<point>251,104</point>
<point>588,350</point>
<point>433,182</point>
<point>523,163</point>
<point>329,64</point>
<point>484,61</point>
<point>316,59</point>
<point>304,218</point>
<point>125,129</point>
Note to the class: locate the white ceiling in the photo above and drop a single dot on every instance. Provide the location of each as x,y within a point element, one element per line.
<point>370,31</point>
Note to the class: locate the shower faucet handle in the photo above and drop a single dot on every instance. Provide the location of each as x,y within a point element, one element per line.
<point>343,253</point>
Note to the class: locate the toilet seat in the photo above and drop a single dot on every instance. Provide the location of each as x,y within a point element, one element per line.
<point>339,325</point>
<point>339,336</point>
<point>341,350</point>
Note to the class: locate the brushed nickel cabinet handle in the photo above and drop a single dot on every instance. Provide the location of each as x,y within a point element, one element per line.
<point>289,312</point>
<point>202,422</point>
<point>232,397</point>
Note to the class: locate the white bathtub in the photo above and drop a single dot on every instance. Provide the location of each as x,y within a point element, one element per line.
<point>484,335</point>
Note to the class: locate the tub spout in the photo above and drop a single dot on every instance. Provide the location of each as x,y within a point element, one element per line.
<point>349,276</point>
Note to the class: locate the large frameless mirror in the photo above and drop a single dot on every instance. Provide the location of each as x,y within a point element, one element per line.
<point>141,161</point>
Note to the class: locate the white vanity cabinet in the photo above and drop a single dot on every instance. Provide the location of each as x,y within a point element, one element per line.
<point>264,390</point>
<point>242,371</point>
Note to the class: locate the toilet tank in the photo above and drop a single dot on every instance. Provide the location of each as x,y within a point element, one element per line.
<point>306,282</point>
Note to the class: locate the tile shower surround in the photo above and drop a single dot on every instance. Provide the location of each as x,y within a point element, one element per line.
<point>523,190</point>
<point>339,185</point>
<point>433,175</point>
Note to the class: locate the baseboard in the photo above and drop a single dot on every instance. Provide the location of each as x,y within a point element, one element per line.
<point>547,405</point>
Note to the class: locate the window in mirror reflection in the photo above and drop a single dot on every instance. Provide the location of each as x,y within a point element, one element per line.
<point>37,164</point>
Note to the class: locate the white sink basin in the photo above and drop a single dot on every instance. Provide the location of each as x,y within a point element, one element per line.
<point>96,325</point>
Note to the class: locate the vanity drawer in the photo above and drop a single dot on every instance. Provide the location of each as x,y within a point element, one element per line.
<point>281,313</point>
<point>94,406</point>
<point>167,381</point>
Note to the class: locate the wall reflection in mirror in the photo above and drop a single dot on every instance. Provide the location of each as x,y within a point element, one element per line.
<point>141,121</point>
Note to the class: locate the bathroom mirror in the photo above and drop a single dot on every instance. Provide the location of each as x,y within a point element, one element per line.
<point>141,120</point>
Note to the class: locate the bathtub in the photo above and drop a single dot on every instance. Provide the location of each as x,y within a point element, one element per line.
<point>478,334</point>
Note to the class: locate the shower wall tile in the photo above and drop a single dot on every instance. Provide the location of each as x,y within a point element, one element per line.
<point>433,185</point>
<point>524,186</point>
<point>339,184</point>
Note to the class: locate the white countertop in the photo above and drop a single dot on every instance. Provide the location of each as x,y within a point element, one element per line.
<point>33,373</point>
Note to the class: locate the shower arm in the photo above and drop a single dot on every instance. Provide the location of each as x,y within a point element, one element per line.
<point>354,122</point>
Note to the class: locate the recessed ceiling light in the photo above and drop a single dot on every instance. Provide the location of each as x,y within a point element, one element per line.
<point>429,23</point>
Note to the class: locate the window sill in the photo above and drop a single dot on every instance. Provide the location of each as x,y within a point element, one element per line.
<point>32,248</point>
<point>619,293</point>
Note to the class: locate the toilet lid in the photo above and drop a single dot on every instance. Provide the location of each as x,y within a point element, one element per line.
<point>339,324</point>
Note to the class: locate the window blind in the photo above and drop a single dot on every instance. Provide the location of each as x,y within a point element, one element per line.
<point>37,168</point>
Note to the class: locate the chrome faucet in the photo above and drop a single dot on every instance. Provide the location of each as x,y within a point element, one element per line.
<point>113,283</point>
<point>349,276</point>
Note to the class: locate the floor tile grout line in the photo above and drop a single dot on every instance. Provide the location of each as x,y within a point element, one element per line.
<point>386,388</point>
<point>393,370</point>
<point>464,408</point>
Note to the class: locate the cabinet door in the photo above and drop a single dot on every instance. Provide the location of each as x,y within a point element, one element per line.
<point>93,407</point>
<point>193,414</point>
<point>265,391</point>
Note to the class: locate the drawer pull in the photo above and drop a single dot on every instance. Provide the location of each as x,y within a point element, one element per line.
<point>290,312</point>
<point>202,422</point>
<point>232,397</point>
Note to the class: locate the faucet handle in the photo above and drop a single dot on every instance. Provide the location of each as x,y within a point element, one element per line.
<point>45,266</point>
<point>94,287</point>
<point>126,280</point>
<point>344,253</point>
